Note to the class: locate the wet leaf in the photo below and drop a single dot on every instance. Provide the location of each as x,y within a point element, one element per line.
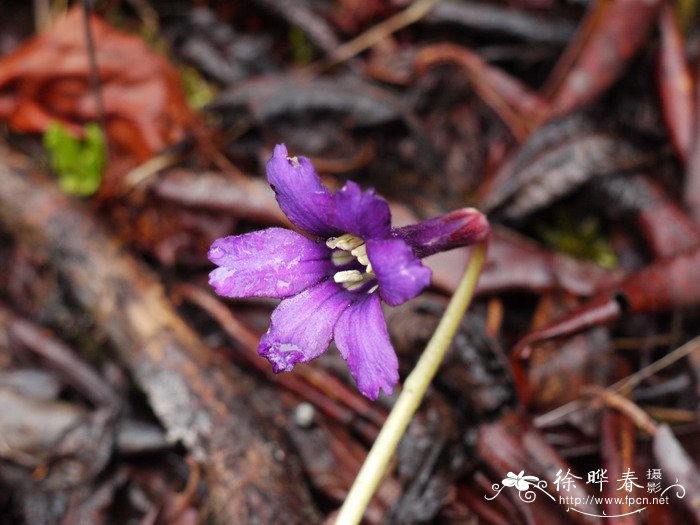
<point>667,228</point>
<point>667,284</point>
<point>249,199</point>
<point>492,18</point>
<point>559,158</point>
<point>520,108</point>
<point>559,371</point>
<point>607,40</point>
<point>356,102</point>
<point>675,83</point>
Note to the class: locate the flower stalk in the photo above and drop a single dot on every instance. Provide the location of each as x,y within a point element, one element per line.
<point>375,466</point>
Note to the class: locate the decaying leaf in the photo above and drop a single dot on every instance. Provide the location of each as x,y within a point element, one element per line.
<point>48,80</point>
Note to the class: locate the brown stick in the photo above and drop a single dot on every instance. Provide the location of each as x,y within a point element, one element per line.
<point>201,401</point>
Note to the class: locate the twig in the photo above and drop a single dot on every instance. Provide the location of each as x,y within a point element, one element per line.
<point>357,45</point>
<point>94,71</point>
<point>42,14</point>
<point>629,382</point>
<point>60,358</point>
<point>625,406</point>
<point>143,172</point>
<point>375,466</point>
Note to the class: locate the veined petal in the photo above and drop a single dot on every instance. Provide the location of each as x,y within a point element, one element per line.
<point>363,341</point>
<point>400,274</point>
<point>268,263</point>
<point>300,193</point>
<point>301,327</point>
<point>361,213</point>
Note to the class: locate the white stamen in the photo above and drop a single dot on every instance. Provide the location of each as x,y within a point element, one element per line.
<point>345,242</point>
<point>341,258</point>
<point>358,284</point>
<point>374,288</point>
<point>294,161</point>
<point>361,253</point>
<point>348,276</point>
<point>347,249</point>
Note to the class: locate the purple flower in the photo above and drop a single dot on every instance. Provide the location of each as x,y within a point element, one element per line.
<point>332,280</point>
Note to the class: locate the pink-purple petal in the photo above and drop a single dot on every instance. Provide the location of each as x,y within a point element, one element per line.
<point>267,263</point>
<point>361,213</point>
<point>363,341</point>
<point>300,193</point>
<point>301,327</point>
<point>400,274</point>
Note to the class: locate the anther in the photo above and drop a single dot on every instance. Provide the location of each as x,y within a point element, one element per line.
<point>348,276</point>
<point>361,253</point>
<point>344,242</point>
<point>341,258</point>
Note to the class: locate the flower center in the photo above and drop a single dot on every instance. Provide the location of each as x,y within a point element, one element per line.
<point>348,248</point>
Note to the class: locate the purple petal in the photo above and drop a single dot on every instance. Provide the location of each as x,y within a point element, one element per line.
<point>400,274</point>
<point>360,213</point>
<point>300,193</point>
<point>363,341</point>
<point>458,228</point>
<point>301,327</point>
<point>268,263</point>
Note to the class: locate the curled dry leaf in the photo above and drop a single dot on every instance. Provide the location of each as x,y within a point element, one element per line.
<point>597,56</point>
<point>520,108</point>
<point>663,285</point>
<point>48,80</point>
<point>675,83</point>
<point>667,228</point>
<point>556,164</point>
<point>492,18</point>
<point>356,102</point>
<point>248,198</point>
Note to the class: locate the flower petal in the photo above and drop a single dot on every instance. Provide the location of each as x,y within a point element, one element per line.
<point>268,263</point>
<point>361,213</point>
<point>300,193</point>
<point>301,327</point>
<point>363,341</point>
<point>400,274</point>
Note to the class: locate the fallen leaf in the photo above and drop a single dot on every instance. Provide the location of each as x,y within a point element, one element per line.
<point>48,80</point>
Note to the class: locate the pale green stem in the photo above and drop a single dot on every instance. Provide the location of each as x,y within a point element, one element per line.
<point>375,465</point>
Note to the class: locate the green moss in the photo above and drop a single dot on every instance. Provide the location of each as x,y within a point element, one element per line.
<point>302,50</point>
<point>78,163</point>
<point>198,91</point>
<point>584,239</point>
